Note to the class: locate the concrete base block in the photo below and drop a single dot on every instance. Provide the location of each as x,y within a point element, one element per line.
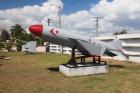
<point>83,69</point>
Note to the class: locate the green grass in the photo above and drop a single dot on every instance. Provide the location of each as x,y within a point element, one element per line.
<point>32,74</point>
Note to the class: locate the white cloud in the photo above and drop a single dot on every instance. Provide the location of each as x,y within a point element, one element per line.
<point>79,22</point>
<point>117,15</point>
<point>124,14</point>
<point>30,14</point>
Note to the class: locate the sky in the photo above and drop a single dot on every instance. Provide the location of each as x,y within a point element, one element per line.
<point>70,5</point>
<point>77,15</point>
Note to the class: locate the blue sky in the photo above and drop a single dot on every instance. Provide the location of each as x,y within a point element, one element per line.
<point>70,6</point>
<point>117,14</point>
<point>76,5</point>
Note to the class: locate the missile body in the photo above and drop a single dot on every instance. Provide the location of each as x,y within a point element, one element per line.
<point>57,36</point>
<point>85,45</point>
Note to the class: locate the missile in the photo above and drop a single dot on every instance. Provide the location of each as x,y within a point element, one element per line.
<point>52,35</point>
<point>88,46</point>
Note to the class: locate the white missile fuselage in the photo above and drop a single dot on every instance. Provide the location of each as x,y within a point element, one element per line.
<point>84,44</point>
<point>61,37</point>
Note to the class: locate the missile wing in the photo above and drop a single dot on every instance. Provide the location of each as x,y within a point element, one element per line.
<point>91,48</point>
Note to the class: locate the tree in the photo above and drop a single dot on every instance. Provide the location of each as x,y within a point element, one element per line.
<point>121,32</point>
<point>4,35</point>
<point>18,33</point>
<point>19,37</point>
<point>116,33</point>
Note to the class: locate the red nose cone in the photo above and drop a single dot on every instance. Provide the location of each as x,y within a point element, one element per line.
<point>36,30</point>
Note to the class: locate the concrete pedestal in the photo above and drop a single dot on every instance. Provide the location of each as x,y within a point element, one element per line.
<point>83,69</point>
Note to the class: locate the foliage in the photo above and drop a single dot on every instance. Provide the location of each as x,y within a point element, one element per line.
<point>18,33</point>
<point>9,45</point>
<point>121,32</point>
<point>4,35</point>
<point>3,38</point>
<point>32,37</point>
<point>20,36</point>
<point>17,37</point>
<point>2,45</point>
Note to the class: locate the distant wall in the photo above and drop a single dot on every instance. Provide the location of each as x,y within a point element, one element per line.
<point>41,49</point>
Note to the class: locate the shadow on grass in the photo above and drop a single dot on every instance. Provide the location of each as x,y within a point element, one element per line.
<point>29,54</point>
<point>0,65</point>
<point>117,66</point>
<point>53,69</point>
<point>2,57</point>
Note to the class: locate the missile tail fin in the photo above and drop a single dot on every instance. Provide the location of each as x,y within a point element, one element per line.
<point>116,43</point>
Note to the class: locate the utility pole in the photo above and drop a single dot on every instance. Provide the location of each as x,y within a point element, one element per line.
<point>59,20</point>
<point>97,24</point>
<point>2,25</point>
<point>49,21</point>
<point>59,14</point>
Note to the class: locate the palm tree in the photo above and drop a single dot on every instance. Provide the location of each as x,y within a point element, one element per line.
<point>121,32</point>
<point>18,33</point>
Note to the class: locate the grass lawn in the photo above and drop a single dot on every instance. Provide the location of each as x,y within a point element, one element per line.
<point>39,74</point>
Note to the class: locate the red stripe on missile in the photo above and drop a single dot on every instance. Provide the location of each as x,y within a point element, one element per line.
<point>54,32</point>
